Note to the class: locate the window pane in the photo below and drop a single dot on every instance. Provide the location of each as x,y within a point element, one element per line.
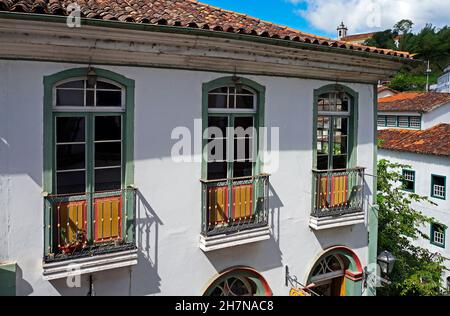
<point>90,98</point>
<point>217,150</point>
<point>217,101</point>
<point>242,169</point>
<point>403,121</point>
<point>69,97</point>
<point>381,120</point>
<point>70,157</point>
<point>108,128</point>
<point>70,129</point>
<point>408,181</point>
<point>77,84</point>
<point>220,122</point>
<point>244,122</point>
<point>217,170</point>
<point>70,182</point>
<point>223,90</point>
<point>414,121</point>
<point>243,149</point>
<point>108,179</point>
<point>340,162</point>
<point>243,90</point>
<point>108,154</point>
<point>322,162</point>
<point>391,120</point>
<point>109,98</point>
<point>106,85</point>
<point>244,102</point>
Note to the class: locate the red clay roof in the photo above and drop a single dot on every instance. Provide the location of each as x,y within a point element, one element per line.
<point>413,102</point>
<point>433,141</point>
<point>385,88</point>
<point>182,13</point>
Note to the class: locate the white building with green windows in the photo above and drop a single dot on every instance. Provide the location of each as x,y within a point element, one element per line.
<point>427,157</point>
<point>169,152</point>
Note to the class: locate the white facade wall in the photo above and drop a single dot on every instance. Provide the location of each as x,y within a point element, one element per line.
<point>436,117</point>
<point>425,166</point>
<point>168,223</point>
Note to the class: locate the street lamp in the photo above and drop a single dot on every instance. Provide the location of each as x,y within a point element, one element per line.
<point>91,77</point>
<point>386,261</point>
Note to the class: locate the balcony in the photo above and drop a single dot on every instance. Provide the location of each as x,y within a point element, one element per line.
<point>338,197</point>
<point>88,233</point>
<point>234,212</point>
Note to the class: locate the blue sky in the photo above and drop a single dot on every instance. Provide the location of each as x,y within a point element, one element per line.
<point>321,17</point>
<point>276,11</point>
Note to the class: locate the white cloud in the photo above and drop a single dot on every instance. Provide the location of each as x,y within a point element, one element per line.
<point>372,15</point>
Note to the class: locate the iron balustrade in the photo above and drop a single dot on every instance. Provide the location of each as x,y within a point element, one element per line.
<point>89,224</point>
<point>233,205</point>
<point>338,192</point>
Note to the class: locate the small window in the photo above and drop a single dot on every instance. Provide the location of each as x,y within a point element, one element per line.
<point>382,120</point>
<point>438,187</point>
<point>414,122</point>
<point>232,98</point>
<point>437,235</point>
<point>403,121</point>
<point>408,181</point>
<point>391,121</point>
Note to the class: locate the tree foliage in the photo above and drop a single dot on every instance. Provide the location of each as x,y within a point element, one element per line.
<point>429,44</point>
<point>417,271</point>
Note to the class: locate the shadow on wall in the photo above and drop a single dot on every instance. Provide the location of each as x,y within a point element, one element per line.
<point>23,287</point>
<point>261,256</point>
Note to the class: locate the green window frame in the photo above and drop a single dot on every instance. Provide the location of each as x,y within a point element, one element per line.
<point>409,180</point>
<point>51,114</point>
<point>391,121</point>
<point>437,234</point>
<point>352,116</point>
<point>438,186</point>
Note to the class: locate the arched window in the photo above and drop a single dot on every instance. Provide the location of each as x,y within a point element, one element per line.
<point>88,135</point>
<point>329,267</point>
<point>88,162</point>
<point>231,122</point>
<point>333,130</point>
<point>239,282</point>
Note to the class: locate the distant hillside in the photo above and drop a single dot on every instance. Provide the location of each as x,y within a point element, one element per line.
<point>430,43</point>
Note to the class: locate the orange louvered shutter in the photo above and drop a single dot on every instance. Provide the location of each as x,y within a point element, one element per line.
<point>107,218</point>
<point>218,205</point>
<point>242,202</point>
<point>71,221</point>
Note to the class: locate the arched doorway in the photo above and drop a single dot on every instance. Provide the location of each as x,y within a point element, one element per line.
<point>337,272</point>
<point>240,281</point>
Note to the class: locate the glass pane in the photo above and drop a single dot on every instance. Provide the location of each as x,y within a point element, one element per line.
<point>244,122</point>
<point>244,102</point>
<point>243,149</point>
<point>223,90</point>
<point>322,162</point>
<point>439,181</point>
<point>70,129</point>
<point>77,84</point>
<point>70,182</point>
<point>70,157</point>
<point>220,122</point>
<point>69,97</point>
<point>242,90</point>
<point>109,98</point>
<point>108,154</point>
<point>217,150</point>
<point>108,179</point>
<point>217,170</point>
<point>108,128</point>
<point>106,85</point>
<point>340,162</point>
<point>217,101</point>
<point>242,169</point>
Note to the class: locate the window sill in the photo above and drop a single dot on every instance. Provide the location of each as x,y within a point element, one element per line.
<point>67,268</point>
<point>321,223</point>
<point>211,243</point>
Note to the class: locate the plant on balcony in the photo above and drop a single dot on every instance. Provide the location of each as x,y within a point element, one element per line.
<point>77,243</point>
<point>417,271</point>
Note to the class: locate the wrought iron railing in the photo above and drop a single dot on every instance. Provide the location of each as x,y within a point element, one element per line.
<point>337,192</point>
<point>233,205</point>
<point>89,224</point>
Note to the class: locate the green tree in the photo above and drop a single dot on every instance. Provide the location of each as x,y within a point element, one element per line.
<point>383,39</point>
<point>417,271</point>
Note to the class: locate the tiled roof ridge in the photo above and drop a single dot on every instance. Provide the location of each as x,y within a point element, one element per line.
<point>185,13</point>
<point>432,141</point>
<point>416,101</point>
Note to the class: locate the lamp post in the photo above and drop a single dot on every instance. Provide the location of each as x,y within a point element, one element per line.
<point>385,261</point>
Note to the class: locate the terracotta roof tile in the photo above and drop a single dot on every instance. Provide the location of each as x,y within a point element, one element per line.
<point>184,13</point>
<point>433,141</point>
<point>413,102</point>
